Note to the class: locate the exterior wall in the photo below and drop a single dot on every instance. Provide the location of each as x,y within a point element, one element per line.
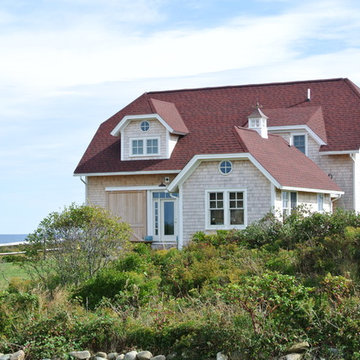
<point>207,176</point>
<point>132,130</point>
<point>357,181</point>
<point>306,199</point>
<point>96,194</point>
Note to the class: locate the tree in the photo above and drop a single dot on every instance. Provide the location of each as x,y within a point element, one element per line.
<point>69,247</point>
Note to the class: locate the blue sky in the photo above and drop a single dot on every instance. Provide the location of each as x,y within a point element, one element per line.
<point>66,66</point>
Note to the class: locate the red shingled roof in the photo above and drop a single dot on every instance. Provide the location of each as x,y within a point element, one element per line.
<point>287,165</point>
<point>210,115</point>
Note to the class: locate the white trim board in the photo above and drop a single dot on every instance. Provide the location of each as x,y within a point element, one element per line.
<point>151,172</point>
<point>130,188</point>
<point>128,118</point>
<point>341,152</point>
<point>290,128</point>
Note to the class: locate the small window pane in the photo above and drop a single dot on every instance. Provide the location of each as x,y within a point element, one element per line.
<point>320,202</point>
<point>237,217</point>
<point>299,142</point>
<point>293,200</point>
<point>225,167</point>
<point>145,126</point>
<point>217,217</point>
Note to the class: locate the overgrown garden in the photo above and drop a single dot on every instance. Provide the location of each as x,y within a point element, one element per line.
<point>255,291</point>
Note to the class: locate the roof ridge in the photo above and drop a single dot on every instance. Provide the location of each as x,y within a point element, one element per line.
<point>246,85</point>
<point>148,98</point>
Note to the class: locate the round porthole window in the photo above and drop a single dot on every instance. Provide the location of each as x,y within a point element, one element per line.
<point>225,167</point>
<point>144,126</point>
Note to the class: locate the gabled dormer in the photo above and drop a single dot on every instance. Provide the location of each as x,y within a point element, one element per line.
<point>150,136</point>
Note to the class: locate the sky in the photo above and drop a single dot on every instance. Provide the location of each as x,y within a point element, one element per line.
<point>68,65</point>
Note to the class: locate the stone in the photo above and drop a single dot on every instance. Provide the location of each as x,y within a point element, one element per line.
<point>112,356</point>
<point>130,355</point>
<point>159,357</point>
<point>172,356</point>
<point>81,355</point>
<point>291,357</point>
<point>96,358</point>
<point>101,354</point>
<point>19,355</point>
<point>5,357</point>
<point>120,357</point>
<point>144,355</point>
<point>236,355</point>
<point>298,348</point>
<point>220,356</point>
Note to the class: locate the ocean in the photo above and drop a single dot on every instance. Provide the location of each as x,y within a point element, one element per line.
<point>12,239</point>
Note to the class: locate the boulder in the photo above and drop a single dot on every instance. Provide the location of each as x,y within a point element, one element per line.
<point>112,356</point>
<point>19,355</point>
<point>298,348</point>
<point>159,357</point>
<point>120,357</point>
<point>236,355</point>
<point>81,355</point>
<point>130,355</point>
<point>5,357</point>
<point>144,355</point>
<point>220,356</point>
<point>101,354</point>
<point>291,357</point>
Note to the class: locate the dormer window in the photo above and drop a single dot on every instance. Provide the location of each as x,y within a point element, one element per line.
<point>299,141</point>
<point>144,146</point>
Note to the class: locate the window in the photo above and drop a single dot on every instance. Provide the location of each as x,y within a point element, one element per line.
<point>289,202</point>
<point>145,146</point>
<point>225,167</point>
<point>320,202</point>
<point>225,209</point>
<point>144,126</point>
<point>299,142</point>
<point>137,147</point>
<point>152,146</point>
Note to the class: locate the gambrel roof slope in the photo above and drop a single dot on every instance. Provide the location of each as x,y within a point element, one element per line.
<point>210,114</point>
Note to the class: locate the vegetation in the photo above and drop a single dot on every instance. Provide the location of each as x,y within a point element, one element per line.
<point>256,291</point>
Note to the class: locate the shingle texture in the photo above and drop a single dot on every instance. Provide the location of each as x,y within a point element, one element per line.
<point>210,115</point>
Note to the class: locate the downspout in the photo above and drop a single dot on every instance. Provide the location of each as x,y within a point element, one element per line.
<point>85,182</point>
<point>353,157</point>
<point>333,200</point>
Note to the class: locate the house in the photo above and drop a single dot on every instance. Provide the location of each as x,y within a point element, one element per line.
<point>175,162</point>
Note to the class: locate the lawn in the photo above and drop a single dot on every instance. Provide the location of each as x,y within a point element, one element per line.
<point>9,271</point>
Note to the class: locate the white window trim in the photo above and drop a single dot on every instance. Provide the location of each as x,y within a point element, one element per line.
<point>227,225</point>
<point>292,134</point>
<point>144,139</point>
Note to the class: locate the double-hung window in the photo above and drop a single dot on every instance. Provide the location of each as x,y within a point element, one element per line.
<point>299,141</point>
<point>145,146</point>
<point>226,209</point>
<point>320,202</point>
<point>289,202</point>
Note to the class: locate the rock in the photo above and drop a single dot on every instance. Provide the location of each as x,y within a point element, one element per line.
<point>120,357</point>
<point>80,354</point>
<point>236,355</point>
<point>112,356</point>
<point>144,355</point>
<point>172,356</point>
<point>220,356</point>
<point>159,357</point>
<point>298,348</point>
<point>5,357</point>
<point>96,358</point>
<point>19,355</point>
<point>130,355</point>
<point>101,354</point>
<point>291,357</point>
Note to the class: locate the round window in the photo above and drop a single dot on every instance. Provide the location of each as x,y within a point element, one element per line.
<point>225,167</point>
<point>144,126</point>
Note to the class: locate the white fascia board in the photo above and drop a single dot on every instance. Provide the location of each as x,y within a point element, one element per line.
<point>287,128</point>
<point>131,173</point>
<point>341,152</point>
<point>320,191</point>
<point>197,159</point>
<point>126,119</point>
<point>131,188</point>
